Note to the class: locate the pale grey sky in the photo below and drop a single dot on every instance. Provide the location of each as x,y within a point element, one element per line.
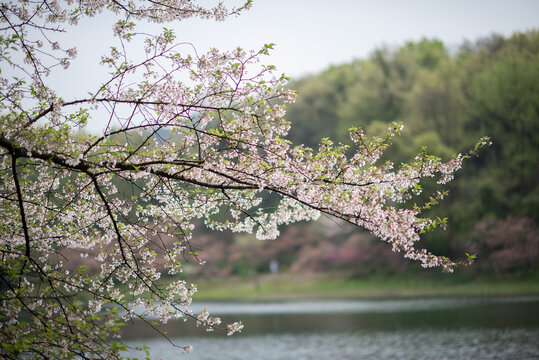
<point>311,35</point>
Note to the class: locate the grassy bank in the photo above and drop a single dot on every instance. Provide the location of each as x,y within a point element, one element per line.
<point>335,286</point>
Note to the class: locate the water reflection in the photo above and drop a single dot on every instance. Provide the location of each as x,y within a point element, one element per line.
<point>354,306</point>
<point>500,328</point>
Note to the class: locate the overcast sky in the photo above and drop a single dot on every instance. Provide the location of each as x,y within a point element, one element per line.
<point>311,35</point>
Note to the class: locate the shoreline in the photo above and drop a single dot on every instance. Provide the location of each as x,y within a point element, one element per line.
<point>285,287</point>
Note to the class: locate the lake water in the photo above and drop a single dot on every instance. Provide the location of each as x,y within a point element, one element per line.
<point>448,328</point>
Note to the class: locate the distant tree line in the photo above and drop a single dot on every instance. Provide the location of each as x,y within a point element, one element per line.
<point>446,100</point>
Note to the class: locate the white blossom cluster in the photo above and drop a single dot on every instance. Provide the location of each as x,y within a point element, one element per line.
<point>95,227</point>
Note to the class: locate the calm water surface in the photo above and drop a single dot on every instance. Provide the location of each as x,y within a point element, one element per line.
<point>455,328</point>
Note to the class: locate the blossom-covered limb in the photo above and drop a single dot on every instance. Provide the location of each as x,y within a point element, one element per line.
<point>95,227</point>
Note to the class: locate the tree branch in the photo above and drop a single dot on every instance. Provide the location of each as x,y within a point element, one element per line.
<point>21,204</point>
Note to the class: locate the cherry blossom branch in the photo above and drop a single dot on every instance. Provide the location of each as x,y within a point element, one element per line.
<point>174,153</point>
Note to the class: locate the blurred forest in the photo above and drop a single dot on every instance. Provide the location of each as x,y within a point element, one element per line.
<point>446,101</point>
